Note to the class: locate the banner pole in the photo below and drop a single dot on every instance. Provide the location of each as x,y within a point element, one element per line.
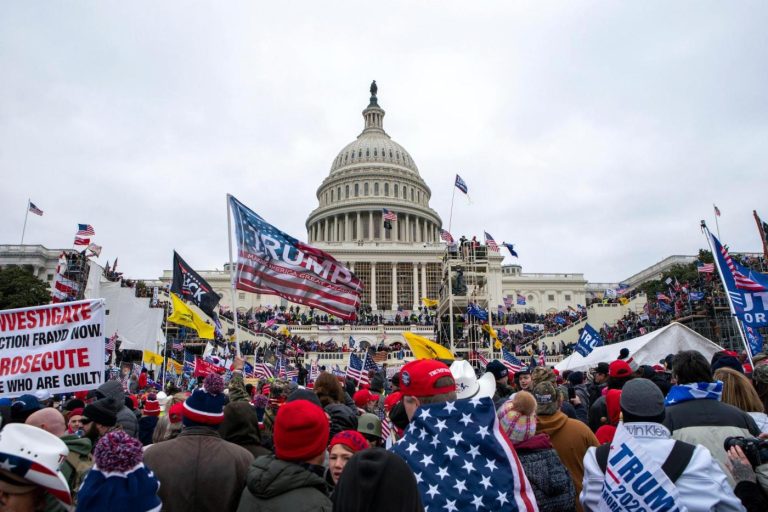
<point>728,295</point>
<point>232,275</point>
<point>24,229</point>
<point>450,215</point>
<point>165,351</point>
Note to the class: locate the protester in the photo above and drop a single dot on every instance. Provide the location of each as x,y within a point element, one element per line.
<point>75,421</point>
<point>79,460</point>
<point>619,373</point>
<point>426,381</point>
<point>739,392</point>
<point>747,489</point>
<point>376,480</point>
<point>148,420</point>
<point>29,469</point>
<point>523,379</point>
<point>365,400</point>
<point>570,438</point>
<point>694,412</point>
<point>241,427</point>
<point>579,387</point>
<point>119,481</point>
<point>691,472</point>
<point>342,447</point>
<point>292,478</point>
<point>552,486</point>
<point>760,380</point>
<point>369,425</point>
<point>501,375</point>
<point>599,382</point>
<point>220,467</point>
<point>99,417</point>
<point>22,407</point>
<point>125,417</point>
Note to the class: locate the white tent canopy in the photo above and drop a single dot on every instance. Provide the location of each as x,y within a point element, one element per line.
<point>647,349</point>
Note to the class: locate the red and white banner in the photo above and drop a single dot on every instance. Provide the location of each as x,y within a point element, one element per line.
<point>203,368</point>
<point>58,347</point>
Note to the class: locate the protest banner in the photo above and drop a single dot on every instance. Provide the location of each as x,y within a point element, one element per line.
<point>58,347</point>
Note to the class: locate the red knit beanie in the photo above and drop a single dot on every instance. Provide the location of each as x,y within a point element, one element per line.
<point>300,431</point>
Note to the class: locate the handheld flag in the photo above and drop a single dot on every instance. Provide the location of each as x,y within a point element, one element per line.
<point>461,184</point>
<point>424,348</point>
<point>461,458</point>
<point>188,284</point>
<point>152,358</point>
<point>430,303</point>
<point>273,262</point>
<point>520,300</point>
<point>183,315</point>
<point>477,312</point>
<point>446,236</point>
<point>754,339</point>
<point>705,268</point>
<point>95,249</point>
<point>588,340</point>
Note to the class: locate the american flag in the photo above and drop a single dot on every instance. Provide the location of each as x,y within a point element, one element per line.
<point>461,184</point>
<point>661,296</point>
<point>386,428</point>
<point>742,281</point>
<point>717,210</point>
<point>705,268</point>
<point>446,236</point>
<point>389,215</point>
<point>34,209</point>
<point>512,363</point>
<point>462,460</point>
<point>177,346</point>
<point>337,371</point>
<point>291,372</point>
<point>111,342</point>
<point>273,262</point>
<point>370,364</point>
<point>481,358</point>
<point>542,358</point>
<point>490,242</point>
<point>82,241</point>
<point>520,300</point>
<point>263,371</point>
<point>508,302</point>
<point>85,230</point>
<point>356,369</point>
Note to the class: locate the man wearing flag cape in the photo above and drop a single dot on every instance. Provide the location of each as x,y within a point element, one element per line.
<point>643,468</point>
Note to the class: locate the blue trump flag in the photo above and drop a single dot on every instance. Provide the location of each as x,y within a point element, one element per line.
<point>477,312</point>
<point>696,296</point>
<point>527,328</point>
<point>754,338</point>
<point>747,289</point>
<point>462,460</point>
<point>588,340</point>
<point>560,320</point>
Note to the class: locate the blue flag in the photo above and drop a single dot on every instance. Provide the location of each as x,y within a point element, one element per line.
<point>696,296</point>
<point>560,320</point>
<point>461,184</point>
<point>754,339</point>
<point>351,342</point>
<point>665,307</point>
<point>461,459</point>
<point>475,311</point>
<point>588,340</point>
<point>747,289</point>
<point>527,328</point>
<point>510,248</point>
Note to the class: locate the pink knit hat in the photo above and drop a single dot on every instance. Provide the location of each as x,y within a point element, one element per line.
<point>517,417</point>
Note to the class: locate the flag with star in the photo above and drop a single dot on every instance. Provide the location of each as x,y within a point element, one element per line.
<point>462,460</point>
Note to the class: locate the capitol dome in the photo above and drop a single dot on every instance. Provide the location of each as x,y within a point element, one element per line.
<point>369,175</point>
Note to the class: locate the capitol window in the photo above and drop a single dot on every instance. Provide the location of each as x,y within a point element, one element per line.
<point>331,194</point>
<point>411,194</point>
<point>568,297</point>
<point>375,152</point>
<point>405,193</point>
<point>375,185</point>
<point>359,153</point>
<point>396,190</point>
<point>365,188</point>
<point>338,193</point>
<point>551,298</point>
<point>367,152</point>
<point>357,190</point>
<point>386,189</point>
<point>346,192</point>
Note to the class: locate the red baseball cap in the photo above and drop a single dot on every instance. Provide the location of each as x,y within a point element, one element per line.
<point>362,397</point>
<point>619,368</point>
<point>419,378</point>
<point>391,400</point>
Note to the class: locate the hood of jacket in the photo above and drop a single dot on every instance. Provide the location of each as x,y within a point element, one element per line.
<point>113,389</point>
<point>240,425</point>
<point>342,418</point>
<point>537,442</point>
<point>551,424</point>
<point>79,445</point>
<point>269,477</point>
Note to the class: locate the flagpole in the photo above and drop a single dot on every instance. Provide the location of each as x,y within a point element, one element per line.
<point>165,352</point>
<point>717,223</point>
<point>762,234</point>
<point>450,215</point>
<point>232,274</point>
<point>728,295</point>
<point>26,215</point>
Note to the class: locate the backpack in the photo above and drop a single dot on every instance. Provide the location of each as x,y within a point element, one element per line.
<point>673,467</point>
<point>78,466</point>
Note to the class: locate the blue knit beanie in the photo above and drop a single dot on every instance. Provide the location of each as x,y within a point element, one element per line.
<point>206,404</point>
<point>119,481</point>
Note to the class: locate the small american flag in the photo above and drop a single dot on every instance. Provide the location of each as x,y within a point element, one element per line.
<point>389,215</point>
<point>386,428</point>
<point>111,342</point>
<point>512,363</point>
<point>508,301</point>
<point>85,230</point>
<point>82,241</point>
<point>355,369</point>
<point>34,209</point>
<point>491,243</point>
<point>717,210</point>
<point>481,358</point>
<point>705,268</point>
<point>446,236</point>
<point>177,346</point>
<point>263,371</point>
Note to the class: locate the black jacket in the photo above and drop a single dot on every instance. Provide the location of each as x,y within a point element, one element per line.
<point>276,485</point>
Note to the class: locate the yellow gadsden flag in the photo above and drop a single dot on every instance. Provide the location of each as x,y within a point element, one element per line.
<point>182,315</point>
<point>424,348</point>
<point>430,303</point>
<point>152,358</point>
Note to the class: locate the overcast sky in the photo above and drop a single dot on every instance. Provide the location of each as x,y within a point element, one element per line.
<point>593,135</point>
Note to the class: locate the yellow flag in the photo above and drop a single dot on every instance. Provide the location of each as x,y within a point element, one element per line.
<point>497,345</point>
<point>424,348</point>
<point>623,301</point>
<point>430,303</point>
<point>173,366</point>
<point>182,315</point>
<point>284,331</point>
<point>152,358</point>
<point>491,331</point>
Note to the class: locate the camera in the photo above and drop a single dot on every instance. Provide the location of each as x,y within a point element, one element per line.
<point>756,450</point>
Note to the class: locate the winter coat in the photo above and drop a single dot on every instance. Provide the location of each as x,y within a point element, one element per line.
<point>199,471</point>
<point>709,422</point>
<point>702,486</point>
<point>552,485</point>
<point>78,462</point>
<point>147,426</point>
<point>571,439</point>
<point>595,391</point>
<point>125,417</point>
<point>241,427</point>
<point>342,418</point>
<point>277,485</point>
<point>597,411</point>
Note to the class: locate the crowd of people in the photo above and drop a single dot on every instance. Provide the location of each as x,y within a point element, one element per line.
<point>682,433</point>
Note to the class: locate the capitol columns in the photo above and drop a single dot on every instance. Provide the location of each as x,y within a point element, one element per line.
<point>370,229</point>
<point>423,279</point>
<point>347,228</point>
<point>358,229</point>
<point>416,299</point>
<point>395,300</point>
<point>374,306</point>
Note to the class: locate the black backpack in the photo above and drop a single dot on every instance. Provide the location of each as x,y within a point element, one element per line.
<point>673,467</point>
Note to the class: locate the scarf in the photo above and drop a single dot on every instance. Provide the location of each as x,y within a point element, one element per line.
<point>696,391</point>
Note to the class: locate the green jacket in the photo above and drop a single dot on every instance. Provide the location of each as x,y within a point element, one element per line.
<point>276,485</point>
<point>237,392</point>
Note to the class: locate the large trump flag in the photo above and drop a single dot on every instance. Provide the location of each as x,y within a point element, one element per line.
<point>272,262</point>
